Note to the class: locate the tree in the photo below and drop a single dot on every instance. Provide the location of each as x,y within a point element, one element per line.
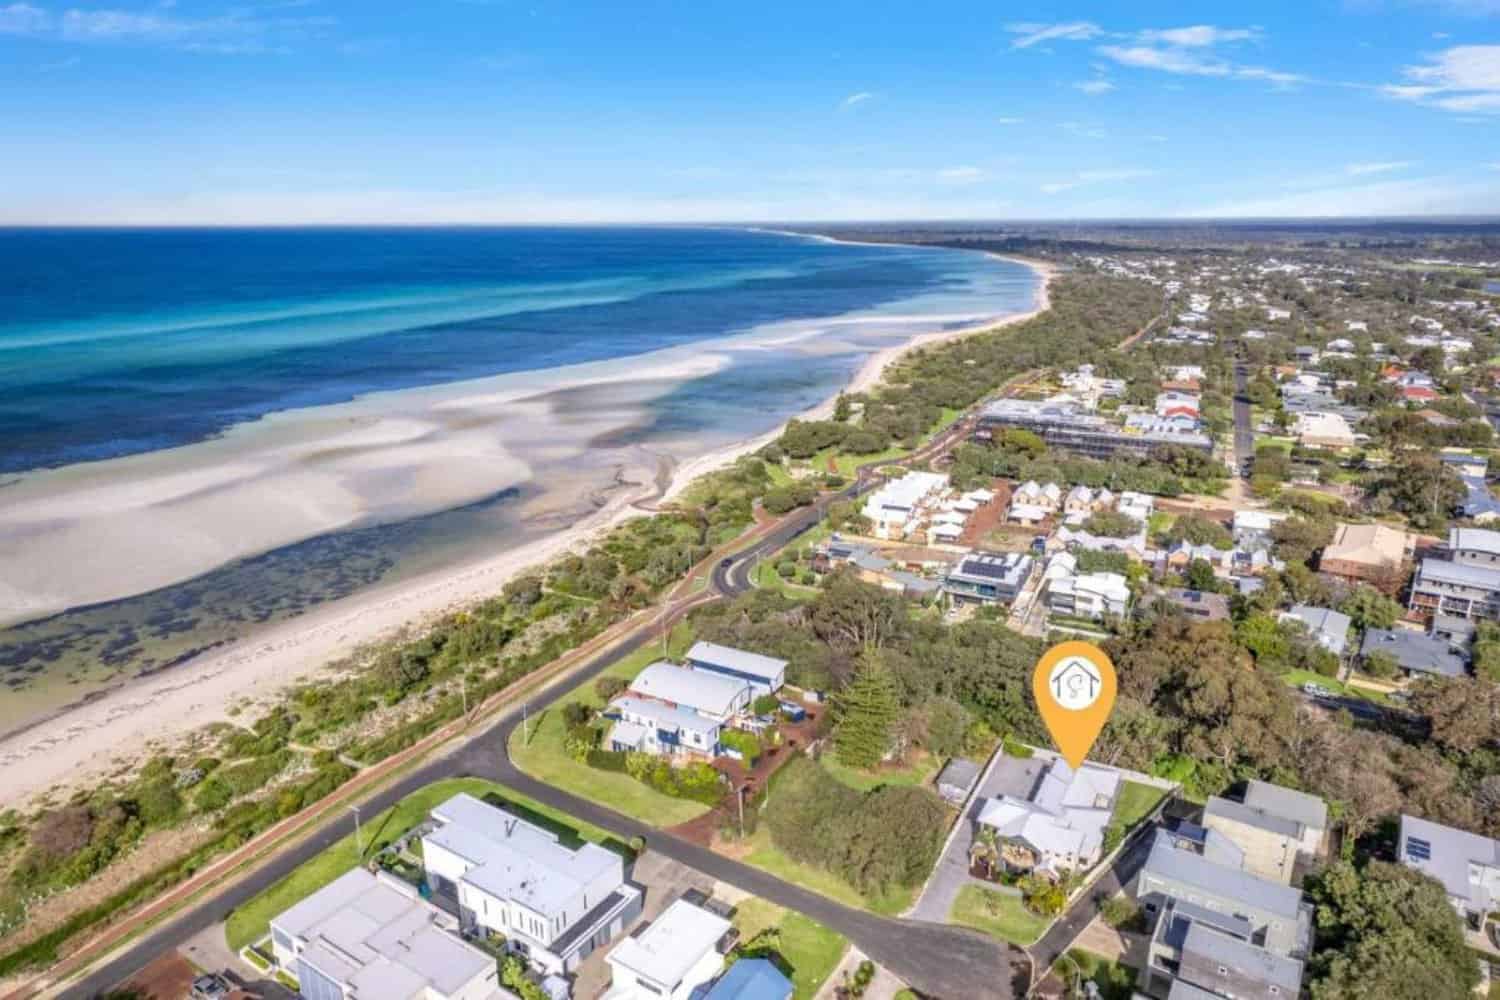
<point>1487,652</point>
<point>867,711</point>
<point>1200,576</point>
<point>1379,663</point>
<point>609,687</point>
<point>1196,529</point>
<point>947,726</point>
<point>1112,524</point>
<point>1267,641</point>
<point>857,615</point>
<point>1464,713</point>
<point>1387,931</point>
<point>1368,608</point>
<point>1297,538</point>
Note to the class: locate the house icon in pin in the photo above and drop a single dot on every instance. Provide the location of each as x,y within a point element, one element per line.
<point>1075,683</point>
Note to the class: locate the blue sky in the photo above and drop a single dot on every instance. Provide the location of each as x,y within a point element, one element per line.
<point>290,111</point>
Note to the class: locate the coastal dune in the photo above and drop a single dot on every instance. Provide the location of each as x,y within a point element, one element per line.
<point>299,473</point>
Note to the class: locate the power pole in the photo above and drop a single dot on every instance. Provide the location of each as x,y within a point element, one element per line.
<point>740,795</point>
<point>524,738</point>
<point>359,850</point>
<point>463,689</point>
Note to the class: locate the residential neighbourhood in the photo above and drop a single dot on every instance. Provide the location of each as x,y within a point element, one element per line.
<point>777,739</point>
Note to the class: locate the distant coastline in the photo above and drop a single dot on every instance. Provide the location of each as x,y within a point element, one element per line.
<point>124,719</point>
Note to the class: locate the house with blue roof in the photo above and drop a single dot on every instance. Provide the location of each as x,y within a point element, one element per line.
<point>751,979</point>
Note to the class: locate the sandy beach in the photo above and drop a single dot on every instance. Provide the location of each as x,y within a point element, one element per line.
<point>432,443</point>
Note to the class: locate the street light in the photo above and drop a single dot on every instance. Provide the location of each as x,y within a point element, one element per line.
<point>359,850</point>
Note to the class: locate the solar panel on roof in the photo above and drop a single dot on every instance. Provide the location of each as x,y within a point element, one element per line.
<point>1418,849</point>
<point>990,569</point>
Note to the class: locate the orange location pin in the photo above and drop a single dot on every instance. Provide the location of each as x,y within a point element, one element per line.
<point>1075,688</point>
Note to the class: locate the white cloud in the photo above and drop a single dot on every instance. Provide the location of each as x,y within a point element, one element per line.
<point>241,30</point>
<point>856,99</point>
<point>1191,51</point>
<point>1086,177</point>
<point>1199,35</point>
<point>1094,86</point>
<point>1167,60</point>
<point>960,175</point>
<point>23,19</point>
<point>1364,169</point>
<point>1464,78</point>
<point>1029,34</point>
<point>1009,121</point>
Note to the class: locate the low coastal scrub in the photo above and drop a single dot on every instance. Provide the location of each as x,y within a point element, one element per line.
<point>240,779</point>
<point>877,841</point>
<point>1089,313</point>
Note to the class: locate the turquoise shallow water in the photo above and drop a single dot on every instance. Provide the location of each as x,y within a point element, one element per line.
<point>123,341</point>
<point>118,343</point>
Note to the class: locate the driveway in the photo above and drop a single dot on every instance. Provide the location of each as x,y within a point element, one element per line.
<point>1004,776</point>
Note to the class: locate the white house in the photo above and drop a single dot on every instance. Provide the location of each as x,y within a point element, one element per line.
<point>893,509</point>
<point>712,695</point>
<point>1467,864</point>
<point>1089,595</point>
<point>671,957</point>
<point>764,674</point>
<point>1137,505</point>
<point>655,727</point>
<point>1061,825</point>
<point>553,904</point>
<point>372,937</point>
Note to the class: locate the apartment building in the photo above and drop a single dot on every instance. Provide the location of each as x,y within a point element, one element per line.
<point>1066,427</point>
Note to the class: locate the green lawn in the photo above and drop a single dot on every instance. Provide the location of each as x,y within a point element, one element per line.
<point>1135,802</point>
<point>919,771</point>
<point>768,857</point>
<point>767,578</point>
<point>810,950</point>
<point>1115,980</point>
<point>997,914</point>
<point>1296,678</point>
<point>249,922</point>
<point>539,749</point>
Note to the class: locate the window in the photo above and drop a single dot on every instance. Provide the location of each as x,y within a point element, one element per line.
<point>1418,849</point>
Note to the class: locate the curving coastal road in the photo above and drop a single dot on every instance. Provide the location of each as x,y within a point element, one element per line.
<point>936,959</point>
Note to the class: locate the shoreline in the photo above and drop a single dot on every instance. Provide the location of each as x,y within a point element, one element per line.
<point>111,729</point>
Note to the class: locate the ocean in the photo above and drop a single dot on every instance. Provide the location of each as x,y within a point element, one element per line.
<point>210,431</point>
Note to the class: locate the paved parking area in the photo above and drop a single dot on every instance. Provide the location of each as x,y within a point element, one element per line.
<point>664,880</point>
<point>1004,776</point>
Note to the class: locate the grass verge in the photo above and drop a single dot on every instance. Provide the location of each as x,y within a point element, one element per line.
<point>997,914</point>
<point>251,921</point>
<point>810,951</point>
<point>539,750</point>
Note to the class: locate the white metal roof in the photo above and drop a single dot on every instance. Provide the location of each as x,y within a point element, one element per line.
<point>513,859</point>
<point>707,692</point>
<point>674,942</point>
<point>383,941</point>
<point>768,668</point>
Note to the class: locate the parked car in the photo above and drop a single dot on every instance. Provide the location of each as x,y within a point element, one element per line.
<point>1316,690</point>
<point>210,986</point>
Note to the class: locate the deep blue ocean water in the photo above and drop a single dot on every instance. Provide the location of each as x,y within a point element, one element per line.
<point>114,342</point>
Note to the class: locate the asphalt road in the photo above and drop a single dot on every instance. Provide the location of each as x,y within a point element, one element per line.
<point>936,959</point>
<point>1244,434</point>
<point>1060,936</point>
